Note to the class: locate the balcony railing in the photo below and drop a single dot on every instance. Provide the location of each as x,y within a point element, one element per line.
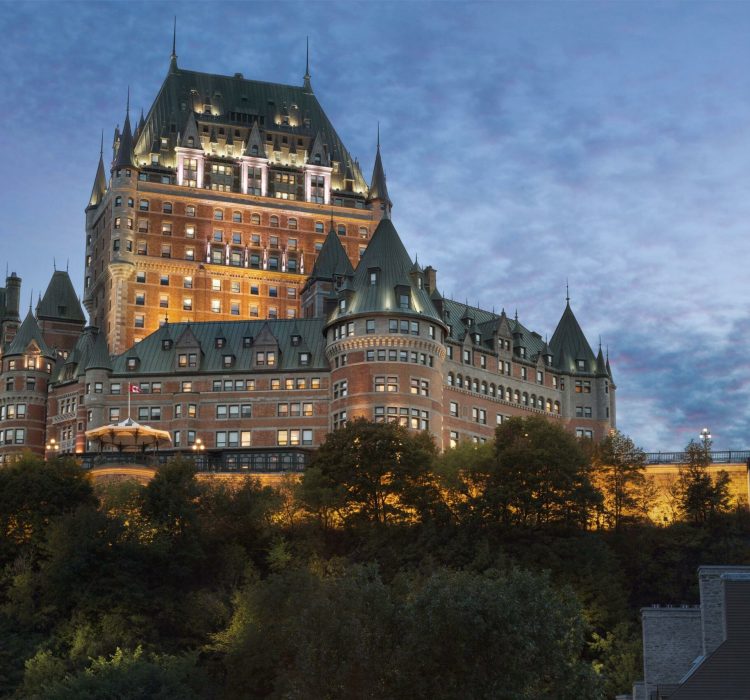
<point>255,461</point>
<point>718,457</point>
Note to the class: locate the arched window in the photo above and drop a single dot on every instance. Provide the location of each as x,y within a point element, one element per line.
<point>492,389</point>
<point>237,217</point>
<point>517,396</point>
<point>459,381</point>
<point>255,219</point>
<point>274,221</point>
<point>540,403</point>
<point>533,400</point>
<point>291,223</point>
<point>525,399</point>
<point>218,215</point>
<point>484,387</point>
<point>451,379</point>
<point>557,407</point>
<point>549,406</point>
<point>476,386</point>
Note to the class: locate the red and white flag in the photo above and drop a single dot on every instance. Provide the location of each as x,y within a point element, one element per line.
<point>135,389</point>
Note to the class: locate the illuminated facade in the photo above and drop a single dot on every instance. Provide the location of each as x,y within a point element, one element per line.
<point>243,275</point>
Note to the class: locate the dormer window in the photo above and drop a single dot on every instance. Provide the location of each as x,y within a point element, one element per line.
<point>304,359</point>
<point>581,364</point>
<point>469,321</point>
<point>228,360</point>
<point>373,277</point>
<point>316,159</point>
<point>476,338</point>
<point>247,341</point>
<point>190,142</point>
<point>522,352</point>
<point>166,344</point>
<point>296,340</point>
<point>220,342</point>
<point>342,304</point>
<point>132,363</point>
<point>403,301</point>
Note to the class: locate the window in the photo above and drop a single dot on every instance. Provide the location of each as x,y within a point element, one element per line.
<point>420,387</point>
<point>581,364</point>
<point>139,321</point>
<point>189,210</point>
<point>453,438</point>
<point>218,215</point>
<point>582,387</point>
<point>114,415</point>
<point>370,325</point>
<point>539,377</point>
<point>167,207</point>
<point>583,433</point>
<point>524,373</point>
<point>166,229</point>
<point>187,304</point>
<point>340,389</point>
<point>454,409</point>
<point>166,250</point>
<point>186,386</point>
<point>140,299</point>
<point>143,205</point>
<point>237,217</point>
<point>273,221</point>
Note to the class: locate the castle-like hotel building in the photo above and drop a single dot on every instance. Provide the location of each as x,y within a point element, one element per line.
<point>245,280</point>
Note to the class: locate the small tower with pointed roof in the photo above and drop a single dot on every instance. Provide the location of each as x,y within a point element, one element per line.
<point>59,313</point>
<point>377,195</point>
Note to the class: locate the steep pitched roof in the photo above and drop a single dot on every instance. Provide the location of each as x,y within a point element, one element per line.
<point>569,341</point>
<point>156,357</point>
<point>387,256</point>
<point>60,301</point>
<point>29,333</point>
<point>317,150</point>
<point>185,91</point>
<point>99,356</point>
<point>332,259</point>
<point>256,146</point>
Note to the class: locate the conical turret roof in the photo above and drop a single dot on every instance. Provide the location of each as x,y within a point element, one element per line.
<point>125,157</point>
<point>27,333</point>
<point>387,257</point>
<point>100,184</point>
<point>378,188</point>
<point>568,341</point>
<point>99,357</point>
<point>332,259</point>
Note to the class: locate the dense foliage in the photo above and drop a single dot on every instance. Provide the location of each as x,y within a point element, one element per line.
<point>507,570</point>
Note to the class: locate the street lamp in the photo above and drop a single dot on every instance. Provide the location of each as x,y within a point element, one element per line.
<point>198,445</point>
<point>52,446</point>
<point>705,436</point>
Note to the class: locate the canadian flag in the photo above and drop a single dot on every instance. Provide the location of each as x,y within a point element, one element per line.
<point>135,389</point>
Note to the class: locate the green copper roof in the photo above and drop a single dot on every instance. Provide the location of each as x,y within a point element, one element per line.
<point>387,259</point>
<point>99,354</point>
<point>236,103</point>
<point>569,344</point>
<point>60,301</point>
<point>100,185</point>
<point>29,333</point>
<point>157,357</point>
<point>124,158</point>
<point>332,260</point>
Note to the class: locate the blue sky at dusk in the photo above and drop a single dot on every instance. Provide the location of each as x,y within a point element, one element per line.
<point>607,143</point>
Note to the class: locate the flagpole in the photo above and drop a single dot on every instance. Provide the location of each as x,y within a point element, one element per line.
<point>129,399</point>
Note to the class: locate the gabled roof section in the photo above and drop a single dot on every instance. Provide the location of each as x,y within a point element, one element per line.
<point>100,184</point>
<point>28,334</point>
<point>60,301</point>
<point>332,260</point>
<point>191,132</point>
<point>187,339</point>
<point>255,139</point>
<point>386,256</point>
<point>243,339</point>
<point>569,342</point>
<point>318,150</point>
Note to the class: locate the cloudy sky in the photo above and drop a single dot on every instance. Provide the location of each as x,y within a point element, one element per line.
<point>525,143</point>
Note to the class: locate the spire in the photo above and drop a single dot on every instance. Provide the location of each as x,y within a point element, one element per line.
<point>141,122</point>
<point>190,137</point>
<point>332,259</point>
<point>60,301</point>
<point>378,189</point>
<point>100,180</point>
<point>124,158</point>
<point>567,292</point>
<point>307,85</point>
<point>173,57</point>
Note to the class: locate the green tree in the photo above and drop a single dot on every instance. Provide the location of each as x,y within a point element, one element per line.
<point>542,475</point>
<point>33,492</point>
<point>371,472</point>
<point>619,473</point>
<point>701,498</point>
